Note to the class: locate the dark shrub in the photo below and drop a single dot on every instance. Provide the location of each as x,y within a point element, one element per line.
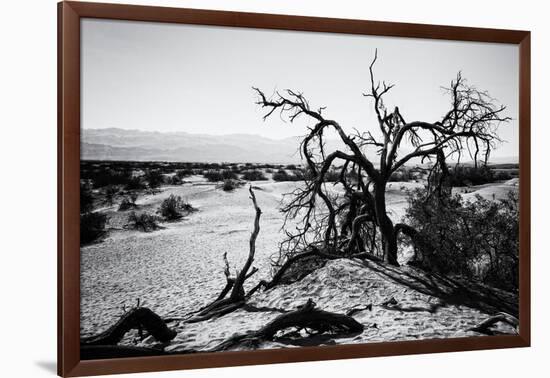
<point>403,174</point>
<point>298,175</point>
<point>332,176</point>
<point>128,203</point>
<point>281,175</point>
<point>465,176</point>
<point>216,175</point>
<point>154,178</point>
<point>175,180</point>
<point>291,167</point>
<point>476,239</point>
<point>142,222</point>
<point>229,185</point>
<point>104,176</point>
<point>134,197</point>
<point>254,175</point>
<point>134,183</point>
<point>92,227</point>
<point>86,198</point>
<point>110,194</point>
<point>213,176</point>
<point>184,173</point>
<point>503,175</point>
<point>174,208</point>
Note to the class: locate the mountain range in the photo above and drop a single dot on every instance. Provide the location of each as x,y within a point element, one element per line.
<point>137,145</point>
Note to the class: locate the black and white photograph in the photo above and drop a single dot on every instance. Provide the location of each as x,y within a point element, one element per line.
<point>245,189</point>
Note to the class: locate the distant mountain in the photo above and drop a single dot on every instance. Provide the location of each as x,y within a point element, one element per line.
<point>120,144</point>
<point>136,145</point>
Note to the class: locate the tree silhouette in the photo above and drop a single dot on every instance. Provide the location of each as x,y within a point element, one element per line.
<point>359,222</point>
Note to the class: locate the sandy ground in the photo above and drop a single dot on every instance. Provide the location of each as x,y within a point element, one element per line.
<point>178,269</point>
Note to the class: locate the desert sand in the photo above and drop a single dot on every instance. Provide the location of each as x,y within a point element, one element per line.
<point>179,268</point>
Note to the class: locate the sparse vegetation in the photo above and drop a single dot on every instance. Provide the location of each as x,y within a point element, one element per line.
<point>476,239</point>
<point>466,176</point>
<point>142,222</point>
<point>92,227</point>
<point>403,174</point>
<point>254,175</point>
<point>154,178</point>
<point>219,175</point>
<point>174,208</point>
<point>129,202</point>
<point>229,185</point>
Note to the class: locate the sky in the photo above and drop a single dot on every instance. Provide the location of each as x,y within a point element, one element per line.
<point>199,79</point>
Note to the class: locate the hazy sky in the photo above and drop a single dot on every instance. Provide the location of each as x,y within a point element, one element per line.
<point>198,79</point>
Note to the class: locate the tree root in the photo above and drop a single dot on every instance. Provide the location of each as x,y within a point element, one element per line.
<point>136,318</point>
<point>485,326</point>
<point>306,317</point>
<point>318,324</point>
<point>233,294</point>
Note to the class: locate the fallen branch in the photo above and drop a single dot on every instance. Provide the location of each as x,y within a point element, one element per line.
<point>233,294</point>
<point>356,309</point>
<point>136,318</point>
<point>485,326</point>
<point>306,317</point>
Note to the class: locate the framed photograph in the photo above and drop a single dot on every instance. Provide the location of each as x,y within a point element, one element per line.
<point>240,188</point>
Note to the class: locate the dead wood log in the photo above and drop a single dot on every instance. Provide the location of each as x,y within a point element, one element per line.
<point>233,294</point>
<point>485,326</point>
<point>357,309</point>
<point>139,317</point>
<point>306,317</point>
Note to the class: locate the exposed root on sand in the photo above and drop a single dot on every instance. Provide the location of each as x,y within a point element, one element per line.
<point>233,294</point>
<point>137,318</point>
<point>485,326</point>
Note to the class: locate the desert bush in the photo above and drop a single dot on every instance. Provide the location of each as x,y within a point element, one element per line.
<point>134,197</point>
<point>128,203</point>
<point>154,178</point>
<point>291,167</point>
<point>502,175</point>
<point>86,198</point>
<point>92,227</point>
<point>475,239</point>
<point>465,176</point>
<point>228,174</point>
<point>134,183</point>
<point>110,194</point>
<point>254,175</point>
<point>219,175</point>
<point>104,176</point>
<point>175,180</point>
<point>182,173</point>
<point>174,208</point>
<point>142,222</point>
<point>229,185</point>
<point>403,174</point>
<point>332,176</point>
<point>281,175</point>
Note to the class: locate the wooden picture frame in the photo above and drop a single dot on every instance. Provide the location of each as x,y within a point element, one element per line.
<point>69,89</point>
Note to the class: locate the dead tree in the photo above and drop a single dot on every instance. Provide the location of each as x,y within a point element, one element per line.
<point>360,219</point>
<point>307,317</point>
<point>136,318</point>
<point>233,294</point>
<point>485,326</point>
<point>284,328</point>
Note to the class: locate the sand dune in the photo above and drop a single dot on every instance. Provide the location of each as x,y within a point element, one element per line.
<point>180,268</point>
